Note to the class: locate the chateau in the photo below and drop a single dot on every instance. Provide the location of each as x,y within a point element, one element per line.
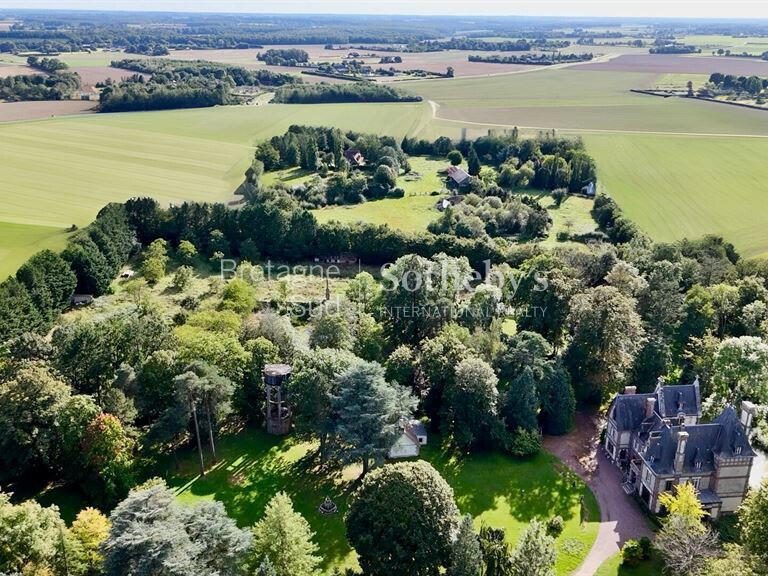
<point>657,441</point>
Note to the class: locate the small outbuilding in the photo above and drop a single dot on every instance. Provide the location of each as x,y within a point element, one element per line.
<point>79,300</point>
<point>408,444</point>
<point>589,190</point>
<point>458,175</point>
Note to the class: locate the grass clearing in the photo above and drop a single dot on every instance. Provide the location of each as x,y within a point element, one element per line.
<point>411,214</point>
<point>494,488</point>
<point>676,186</point>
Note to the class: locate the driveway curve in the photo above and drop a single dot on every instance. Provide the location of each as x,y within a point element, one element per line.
<point>621,518</point>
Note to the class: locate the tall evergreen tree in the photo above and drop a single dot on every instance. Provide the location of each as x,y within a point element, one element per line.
<point>535,552</point>
<point>521,405</point>
<point>466,556</point>
<point>473,162</point>
<point>283,539</point>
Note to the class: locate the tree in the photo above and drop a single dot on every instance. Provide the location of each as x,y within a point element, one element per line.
<point>207,396</point>
<point>18,313</point>
<point>535,552</point>
<point>684,502</point>
<point>495,551</point>
<point>466,556</point>
<point>606,335</point>
<point>583,171</point>
<point>238,296</point>
<point>473,162</point>
<point>283,539</point>
<point>521,403</point>
<point>153,535</point>
<point>368,412</point>
<point>735,562</point>
<point>686,546</point>
<point>311,388</point>
<point>108,456</point>
<point>187,252</point>
<point>741,369</point>
<point>364,291</point>
<point>470,404</point>
<point>155,261</point>
<point>661,301</point>
<point>31,537</point>
<point>30,404</point>
<point>74,418</point>
<point>332,329</point>
<point>558,402</point>
<point>182,277</point>
<point>90,529</point>
<point>400,366</point>
<point>753,522</point>
<point>401,520</point>
<point>455,157</point>
<point>50,282</point>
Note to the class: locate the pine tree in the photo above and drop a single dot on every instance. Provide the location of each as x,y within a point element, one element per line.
<point>535,553</point>
<point>283,539</point>
<point>473,162</point>
<point>266,568</point>
<point>466,556</point>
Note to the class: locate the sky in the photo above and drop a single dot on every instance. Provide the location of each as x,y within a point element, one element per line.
<point>609,8</point>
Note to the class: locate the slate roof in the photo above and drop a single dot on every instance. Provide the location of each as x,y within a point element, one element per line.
<point>706,442</point>
<point>629,409</point>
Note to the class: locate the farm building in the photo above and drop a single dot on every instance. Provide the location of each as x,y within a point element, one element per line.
<point>444,203</point>
<point>408,444</point>
<point>457,175</point>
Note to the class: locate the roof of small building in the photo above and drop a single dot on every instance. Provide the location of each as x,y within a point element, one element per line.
<point>417,427</point>
<point>457,174</point>
<point>277,369</point>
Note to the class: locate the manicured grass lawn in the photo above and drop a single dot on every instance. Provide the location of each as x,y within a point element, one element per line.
<point>677,186</point>
<point>61,171</point>
<point>613,567</point>
<point>494,488</point>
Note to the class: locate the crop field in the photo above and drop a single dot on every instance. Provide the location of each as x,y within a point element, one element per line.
<point>687,64</point>
<point>61,171</point>
<point>677,186</point>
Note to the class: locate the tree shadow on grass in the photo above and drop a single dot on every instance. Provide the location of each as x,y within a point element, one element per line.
<point>252,468</point>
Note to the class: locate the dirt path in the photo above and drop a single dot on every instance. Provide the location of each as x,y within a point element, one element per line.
<point>621,519</point>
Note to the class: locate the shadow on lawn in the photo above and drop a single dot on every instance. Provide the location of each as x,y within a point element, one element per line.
<point>252,468</point>
<point>532,488</point>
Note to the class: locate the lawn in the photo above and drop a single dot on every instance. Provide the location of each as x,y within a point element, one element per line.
<point>61,171</point>
<point>677,186</point>
<point>20,241</point>
<point>411,214</point>
<point>495,489</point>
<point>613,567</point>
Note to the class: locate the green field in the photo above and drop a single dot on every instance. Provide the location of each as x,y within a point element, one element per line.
<point>677,186</point>
<point>61,171</point>
<point>613,567</point>
<point>495,489</point>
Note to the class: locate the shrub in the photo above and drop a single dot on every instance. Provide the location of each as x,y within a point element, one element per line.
<point>555,526</point>
<point>524,443</point>
<point>635,552</point>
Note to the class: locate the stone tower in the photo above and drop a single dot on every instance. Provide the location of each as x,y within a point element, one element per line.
<point>277,412</point>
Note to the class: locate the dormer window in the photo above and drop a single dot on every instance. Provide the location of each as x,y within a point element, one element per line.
<point>698,465</point>
<point>737,450</point>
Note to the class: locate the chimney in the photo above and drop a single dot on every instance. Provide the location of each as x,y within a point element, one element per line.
<point>747,414</point>
<point>630,389</point>
<point>650,403</point>
<point>682,440</point>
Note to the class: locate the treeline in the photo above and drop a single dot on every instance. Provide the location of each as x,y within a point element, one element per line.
<point>283,57</point>
<point>674,49</point>
<point>50,65</point>
<point>31,300</point>
<point>58,86</point>
<point>546,162</point>
<point>520,45</point>
<point>134,96</point>
<point>730,83</point>
<point>331,93</point>
<point>174,71</point>
<point>182,84</point>
<point>539,59</point>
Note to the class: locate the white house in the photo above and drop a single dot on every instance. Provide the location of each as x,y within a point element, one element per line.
<point>407,445</point>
